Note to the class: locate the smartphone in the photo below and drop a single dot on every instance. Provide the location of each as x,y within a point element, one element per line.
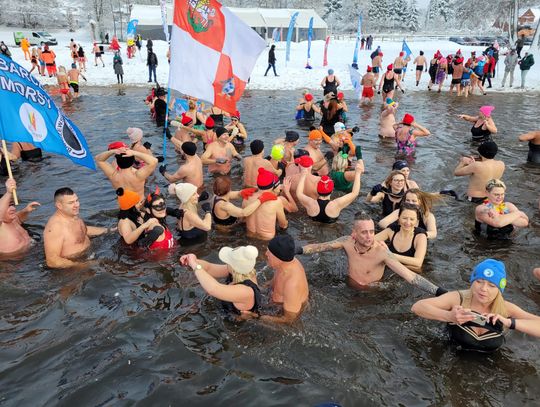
<point>479,319</point>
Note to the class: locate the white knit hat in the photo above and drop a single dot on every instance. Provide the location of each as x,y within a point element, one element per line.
<point>184,191</point>
<point>135,134</point>
<point>241,259</point>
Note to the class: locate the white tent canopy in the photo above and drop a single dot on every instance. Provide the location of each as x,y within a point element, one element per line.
<point>262,20</point>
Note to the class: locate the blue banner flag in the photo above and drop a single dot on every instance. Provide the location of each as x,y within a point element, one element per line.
<point>132,28</point>
<point>289,35</point>
<point>309,37</point>
<point>275,34</point>
<point>405,48</point>
<point>358,35</point>
<point>28,114</point>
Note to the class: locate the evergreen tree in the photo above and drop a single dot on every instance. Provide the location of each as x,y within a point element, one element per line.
<point>378,14</point>
<point>411,18</point>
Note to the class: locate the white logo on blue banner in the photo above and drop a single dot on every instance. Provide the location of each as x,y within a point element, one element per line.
<point>29,115</point>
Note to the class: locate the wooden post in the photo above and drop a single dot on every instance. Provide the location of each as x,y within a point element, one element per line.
<point>8,165</point>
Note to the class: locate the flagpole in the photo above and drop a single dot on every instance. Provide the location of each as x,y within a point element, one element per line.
<point>166,126</point>
<point>8,166</point>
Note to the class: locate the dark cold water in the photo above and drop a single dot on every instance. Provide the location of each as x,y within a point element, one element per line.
<point>136,329</point>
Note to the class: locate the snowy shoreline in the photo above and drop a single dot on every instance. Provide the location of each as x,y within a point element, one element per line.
<point>293,75</point>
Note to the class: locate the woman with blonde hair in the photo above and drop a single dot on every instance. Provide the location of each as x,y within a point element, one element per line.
<point>496,217</point>
<point>191,227</point>
<point>63,83</point>
<point>240,294</point>
<point>424,202</point>
<point>479,317</point>
<point>343,178</point>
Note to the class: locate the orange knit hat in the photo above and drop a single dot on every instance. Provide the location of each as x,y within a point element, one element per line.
<point>315,135</point>
<point>127,199</point>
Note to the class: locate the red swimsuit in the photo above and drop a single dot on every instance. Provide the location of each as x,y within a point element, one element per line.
<point>167,243</point>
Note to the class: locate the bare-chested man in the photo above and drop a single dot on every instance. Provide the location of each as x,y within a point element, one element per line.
<point>480,172</point>
<point>367,258</point>
<point>254,162</point>
<point>73,76</point>
<point>294,173</point>
<point>388,119</point>
<point>14,239</point>
<point>191,171</point>
<point>399,63</point>
<point>420,63</point>
<point>124,175</point>
<point>289,142</point>
<point>320,165</point>
<point>376,63</point>
<point>66,236</point>
<point>289,284</point>
<point>262,222</point>
<point>218,155</point>
<point>368,82</point>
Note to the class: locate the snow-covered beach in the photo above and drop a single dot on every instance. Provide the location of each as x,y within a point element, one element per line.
<point>292,74</point>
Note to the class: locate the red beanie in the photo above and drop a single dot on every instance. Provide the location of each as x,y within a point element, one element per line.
<point>325,186</point>
<point>308,97</point>
<point>236,115</point>
<point>390,67</point>
<point>408,119</point>
<point>209,124</point>
<point>401,53</point>
<point>305,161</point>
<point>117,144</point>
<point>186,119</point>
<point>340,95</point>
<point>266,179</point>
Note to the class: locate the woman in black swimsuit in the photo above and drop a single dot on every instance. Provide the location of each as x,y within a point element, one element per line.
<point>26,152</point>
<point>241,294</point>
<point>479,317</point>
<point>330,83</point>
<point>389,192</point>
<point>224,212</point>
<point>191,228</point>
<point>387,83</point>
<point>406,240</point>
<point>323,209</point>
<point>483,126</point>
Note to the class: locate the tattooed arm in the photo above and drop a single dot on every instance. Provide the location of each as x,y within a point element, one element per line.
<point>322,247</point>
<point>411,277</point>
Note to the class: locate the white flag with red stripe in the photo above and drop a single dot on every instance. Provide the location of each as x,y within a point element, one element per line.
<point>212,52</point>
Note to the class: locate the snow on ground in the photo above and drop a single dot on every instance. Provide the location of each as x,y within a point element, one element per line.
<point>292,74</point>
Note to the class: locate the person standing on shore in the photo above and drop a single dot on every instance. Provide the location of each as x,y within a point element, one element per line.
<point>117,65</point>
<point>519,45</point>
<point>510,63</point>
<point>152,63</point>
<point>271,60</point>
<point>524,65</point>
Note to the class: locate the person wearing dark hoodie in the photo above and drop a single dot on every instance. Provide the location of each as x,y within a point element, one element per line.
<point>271,60</point>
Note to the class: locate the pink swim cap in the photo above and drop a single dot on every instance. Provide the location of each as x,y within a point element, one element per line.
<point>486,110</point>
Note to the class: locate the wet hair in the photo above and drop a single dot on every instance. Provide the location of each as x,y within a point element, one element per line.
<point>332,109</point>
<point>222,185</point>
<point>388,180</point>
<point>425,199</point>
<point>60,193</point>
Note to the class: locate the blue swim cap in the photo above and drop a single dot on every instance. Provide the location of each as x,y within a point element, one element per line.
<point>330,71</point>
<point>490,270</point>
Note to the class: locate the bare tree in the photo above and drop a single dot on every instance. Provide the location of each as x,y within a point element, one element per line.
<point>97,8</point>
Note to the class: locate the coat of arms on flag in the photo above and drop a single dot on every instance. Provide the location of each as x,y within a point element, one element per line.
<point>212,52</point>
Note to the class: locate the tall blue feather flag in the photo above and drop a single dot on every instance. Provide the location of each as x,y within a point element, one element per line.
<point>289,35</point>
<point>358,35</point>
<point>406,49</point>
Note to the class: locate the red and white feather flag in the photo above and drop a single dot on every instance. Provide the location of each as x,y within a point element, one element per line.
<point>212,52</point>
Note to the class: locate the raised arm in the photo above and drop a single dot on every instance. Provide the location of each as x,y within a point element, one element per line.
<point>465,167</point>
<point>148,169</point>
<point>523,321</point>
<point>103,164</point>
<point>419,130</point>
<point>204,224</point>
<point>309,203</point>
<point>345,200</point>
<point>31,207</point>
<point>5,201</point>
<point>468,118</point>
<point>490,125</point>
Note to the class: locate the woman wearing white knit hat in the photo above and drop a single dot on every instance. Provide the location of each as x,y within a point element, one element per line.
<point>135,136</point>
<point>191,227</point>
<point>240,294</point>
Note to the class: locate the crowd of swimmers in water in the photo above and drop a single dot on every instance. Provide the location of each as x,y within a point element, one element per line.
<point>320,177</point>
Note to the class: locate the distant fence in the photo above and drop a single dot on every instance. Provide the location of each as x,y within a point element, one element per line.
<point>398,37</point>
